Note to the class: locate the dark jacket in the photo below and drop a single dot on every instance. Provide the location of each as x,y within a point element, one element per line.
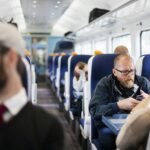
<point>32,129</point>
<point>108,92</point>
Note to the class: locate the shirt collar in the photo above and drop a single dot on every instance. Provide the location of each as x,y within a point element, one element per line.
<point>17,102</point>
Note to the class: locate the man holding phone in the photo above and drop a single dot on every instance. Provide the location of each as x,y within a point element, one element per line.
<point>117,93</point>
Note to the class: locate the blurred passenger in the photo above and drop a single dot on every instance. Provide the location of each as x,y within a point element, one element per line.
<point>135,132</point>
<point>80,76</point>
<point>27,53</point>
<point>117,93</point>
<point>121,50</point>
<point>62,54</point>
<point>74,54</point>
<point>98,52</point>
<point>22,125</point>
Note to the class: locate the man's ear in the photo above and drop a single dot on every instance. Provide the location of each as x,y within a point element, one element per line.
<point>114,72</point>
<point>12,57</point>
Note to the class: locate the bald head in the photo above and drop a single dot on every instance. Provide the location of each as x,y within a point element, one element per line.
<point>122,58</point>
<point>121,50</point>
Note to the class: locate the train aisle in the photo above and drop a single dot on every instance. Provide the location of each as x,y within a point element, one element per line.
<point>48,101</point>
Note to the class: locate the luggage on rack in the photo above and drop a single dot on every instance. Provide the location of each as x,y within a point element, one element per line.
<point>96,12</point>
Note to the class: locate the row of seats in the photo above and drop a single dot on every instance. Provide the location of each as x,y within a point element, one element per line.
<point>61,72</point>
<point>29,79</point>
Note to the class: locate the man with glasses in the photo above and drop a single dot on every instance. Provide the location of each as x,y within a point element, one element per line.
<point>119,92</point>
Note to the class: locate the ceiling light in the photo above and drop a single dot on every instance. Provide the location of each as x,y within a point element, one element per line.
<point>58,2</point>
<point>52,14</point>
<point>34,6</point>
<point>34,2</point>
<point>56,6</point>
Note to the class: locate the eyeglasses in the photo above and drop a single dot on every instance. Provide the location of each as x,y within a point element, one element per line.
<point>126,72</point>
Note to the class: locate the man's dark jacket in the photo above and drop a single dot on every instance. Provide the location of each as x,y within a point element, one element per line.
<point>108,92</point>
<point>31,129</point>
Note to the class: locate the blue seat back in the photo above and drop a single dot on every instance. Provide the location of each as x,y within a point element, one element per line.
<point>63,66</point>
<point>102,65</point>
<point>26,77</point>
<point>55,65</point>
<point>50,63</point>
<point>146,66</point>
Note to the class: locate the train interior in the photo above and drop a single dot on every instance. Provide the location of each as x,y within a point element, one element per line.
<point>59,34</point>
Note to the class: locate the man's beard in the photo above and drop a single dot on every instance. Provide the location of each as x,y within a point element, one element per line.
<point>3,76</point>
<point>128,83</point>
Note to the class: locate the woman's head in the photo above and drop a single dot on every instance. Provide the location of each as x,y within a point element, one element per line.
<point>79,66</point>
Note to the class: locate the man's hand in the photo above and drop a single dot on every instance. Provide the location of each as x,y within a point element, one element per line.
<point>128,103</point>
<point>144,94</point>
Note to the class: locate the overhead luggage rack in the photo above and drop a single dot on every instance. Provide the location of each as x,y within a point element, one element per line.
<point>127,12</point>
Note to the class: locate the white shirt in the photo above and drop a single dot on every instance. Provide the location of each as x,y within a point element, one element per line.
<point>15,104</point>
<point>79,84</point>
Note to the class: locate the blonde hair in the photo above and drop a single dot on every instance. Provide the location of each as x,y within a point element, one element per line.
<point>74,54</point>
<point>98,52</point>
<point>121,50</point>
<point>27,53</point>
<point>122,56</point>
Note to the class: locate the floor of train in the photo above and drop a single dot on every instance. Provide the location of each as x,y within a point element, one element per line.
<point>47,99</point>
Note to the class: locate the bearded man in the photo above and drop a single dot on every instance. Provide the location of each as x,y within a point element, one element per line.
<point>117,93</point>
<point>23,126</point>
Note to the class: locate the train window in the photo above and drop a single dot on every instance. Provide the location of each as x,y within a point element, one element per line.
<point>87,47</point>
<point>147,4</point>
<point>122,40</point>
<point>100,45</point>
<point>145,42</point>
<point>84,48</point>
<point>78,48</point>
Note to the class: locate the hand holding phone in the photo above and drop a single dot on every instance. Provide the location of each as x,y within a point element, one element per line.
<point>139,97</point>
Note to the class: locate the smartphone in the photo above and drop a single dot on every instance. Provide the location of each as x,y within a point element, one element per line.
<point>137,93</point>
<point>139,97</point>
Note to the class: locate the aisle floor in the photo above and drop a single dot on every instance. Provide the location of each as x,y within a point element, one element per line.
<point>49,102</point>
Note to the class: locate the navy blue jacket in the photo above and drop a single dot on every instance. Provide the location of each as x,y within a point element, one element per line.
<point>107,94</point>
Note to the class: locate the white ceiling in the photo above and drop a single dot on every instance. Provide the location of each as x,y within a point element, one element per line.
<point>41,15</point>
<point>77,15</point>
<point>52,16</point>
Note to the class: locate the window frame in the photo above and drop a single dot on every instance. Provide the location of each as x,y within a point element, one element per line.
<point>122,35</point>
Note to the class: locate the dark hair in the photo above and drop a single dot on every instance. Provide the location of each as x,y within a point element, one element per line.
<point>13,23</point>
<point>81,66</point>
<point>3,49</point>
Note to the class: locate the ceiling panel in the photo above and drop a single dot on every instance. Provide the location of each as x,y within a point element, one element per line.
<point>55,16</point>
<point>79,11</point>
<point>41,15</point>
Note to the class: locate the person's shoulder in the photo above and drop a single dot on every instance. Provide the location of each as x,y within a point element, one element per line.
<point>47,126</point>
<point>106,78</point>
<point>41,116</point>
<point>105,81</point>
<point>141,79</point>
